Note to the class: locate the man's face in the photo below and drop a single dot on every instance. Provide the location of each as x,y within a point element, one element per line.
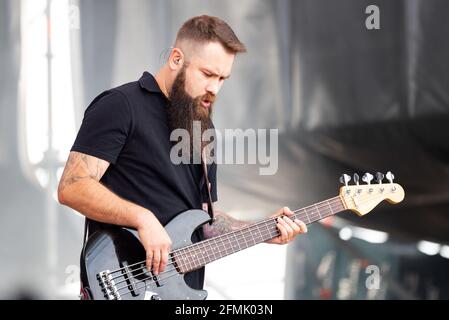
<point>196,85</point>
<point>209,65</point>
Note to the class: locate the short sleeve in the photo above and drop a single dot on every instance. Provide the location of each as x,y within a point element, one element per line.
<point>105,127</point>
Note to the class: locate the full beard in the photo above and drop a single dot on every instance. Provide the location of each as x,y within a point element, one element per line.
<point>184,111</point>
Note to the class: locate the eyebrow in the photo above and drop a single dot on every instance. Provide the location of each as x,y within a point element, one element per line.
<point>216,74</point>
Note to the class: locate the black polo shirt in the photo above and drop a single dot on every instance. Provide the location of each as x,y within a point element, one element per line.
<point>128,127</point>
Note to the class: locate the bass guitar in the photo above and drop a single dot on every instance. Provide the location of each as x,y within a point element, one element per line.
<point>113,259</point>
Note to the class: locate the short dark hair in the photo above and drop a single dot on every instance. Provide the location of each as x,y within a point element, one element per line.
<point>206,28</point>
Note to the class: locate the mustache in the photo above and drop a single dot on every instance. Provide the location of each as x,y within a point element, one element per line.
<point>208,97</point>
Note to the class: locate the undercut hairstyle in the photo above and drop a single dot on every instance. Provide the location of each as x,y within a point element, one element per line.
<point>204,29</point>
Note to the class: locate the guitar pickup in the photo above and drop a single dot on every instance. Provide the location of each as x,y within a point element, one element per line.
<point>156,279</point>
<point>127,274</point>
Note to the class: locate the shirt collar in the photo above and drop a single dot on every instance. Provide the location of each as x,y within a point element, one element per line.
<point>148,82</point>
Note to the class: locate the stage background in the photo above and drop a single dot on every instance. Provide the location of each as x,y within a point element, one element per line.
<point>344,98</point>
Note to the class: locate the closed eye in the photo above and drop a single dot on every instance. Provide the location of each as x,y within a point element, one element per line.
<point>209,75</point>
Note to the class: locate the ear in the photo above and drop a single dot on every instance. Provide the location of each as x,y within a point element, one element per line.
<point>176,59</point>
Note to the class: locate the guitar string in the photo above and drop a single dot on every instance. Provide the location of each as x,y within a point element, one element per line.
<point>242,231</point>
<point>263,221</point>
<point>317,205</point>
<point>151,278</point>
<point>144,285</point>
<point>166,273</point>
<point>265,233</point>
<point>270,231</point>
<point>158,279</point>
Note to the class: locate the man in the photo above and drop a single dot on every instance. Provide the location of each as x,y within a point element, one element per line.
<point>119,170</point>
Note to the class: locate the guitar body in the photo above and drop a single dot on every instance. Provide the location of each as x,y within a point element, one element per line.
<point>116,248</point>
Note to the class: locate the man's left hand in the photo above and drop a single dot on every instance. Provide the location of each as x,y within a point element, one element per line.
<point>289,228</point>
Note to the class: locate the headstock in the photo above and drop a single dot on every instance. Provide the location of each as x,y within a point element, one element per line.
<point>362,198</point>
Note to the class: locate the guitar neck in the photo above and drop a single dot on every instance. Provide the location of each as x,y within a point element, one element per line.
<point>199,254</point>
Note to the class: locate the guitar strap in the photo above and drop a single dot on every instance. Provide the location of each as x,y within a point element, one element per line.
<point>210,207</point>
<point>86,231</point>
<point>85,293</point>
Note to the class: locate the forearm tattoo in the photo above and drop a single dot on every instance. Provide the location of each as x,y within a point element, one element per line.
<point>223,223</point>
<point>81,166</point>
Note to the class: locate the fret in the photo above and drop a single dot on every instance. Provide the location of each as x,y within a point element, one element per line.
<point>258,236</point>
<point>252,236</point>
<point>233,244</point>
<point>189,262</point>
<point>242,241</point>
<point>339,206</point>
<point>274,232</point>
<point>179,260</point>
<point>230,245</point>
<point>184,260</point>
<point>225,248</point>
<point>328,203</point>
<point>270,233</point>
<point>315,214</point>
<point>215,249</point>
<point>309,216</point>
<point>236,240</point>
<point>200,253</point>
<point>301,215</point>
<point>268,225</point>
<point>243,237</point>
<point>207,252</point>
<point>191,254</point>
<point>260,233</point>
<point>318,211</point>
<point>306,215</point>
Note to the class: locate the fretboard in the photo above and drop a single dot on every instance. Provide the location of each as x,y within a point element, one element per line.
<point>199,254</point>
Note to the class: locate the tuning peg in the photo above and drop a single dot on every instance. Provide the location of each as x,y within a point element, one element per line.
<point>390,176</point>
<point>367,178</point>
<point>356,178</point>
<point>379,177</point>
<point>345,179</point>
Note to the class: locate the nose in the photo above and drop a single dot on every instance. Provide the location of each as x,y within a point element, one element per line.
<point>213,87</point>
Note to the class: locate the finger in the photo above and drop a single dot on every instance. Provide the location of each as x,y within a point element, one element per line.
<point>156,261</point>
<point>296,228</point>
<point>302,225</point>
<point>149,260</point>
<point>282,228</point>
<point>290,232</point>
<point>287,211</point>
<point>164,259</point>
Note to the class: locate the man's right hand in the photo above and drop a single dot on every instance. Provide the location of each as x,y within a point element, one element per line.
<point>156,241</point>
<point>81,190</point>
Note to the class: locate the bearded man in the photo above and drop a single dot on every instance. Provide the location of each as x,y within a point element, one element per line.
<point>119,170</point>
